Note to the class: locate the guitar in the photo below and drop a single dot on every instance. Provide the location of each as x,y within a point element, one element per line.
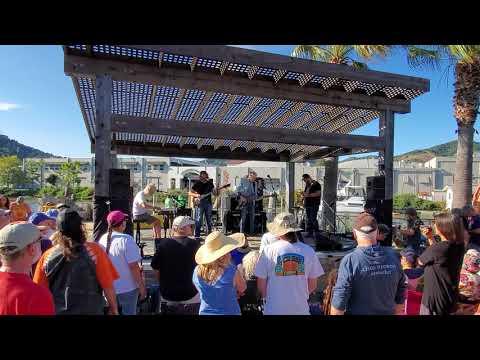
<point>245,200</point>
<point>199,198</point>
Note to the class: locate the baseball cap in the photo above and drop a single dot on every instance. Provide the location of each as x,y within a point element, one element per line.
<point>62,206</point>
<point>409,254</point>
<point>38,217</point>
<point>116,217</point>
<point>18,236</point>
<point>365,223</point>
<point>69,222</point>
<point>53,213</point>
<point>182,221</point>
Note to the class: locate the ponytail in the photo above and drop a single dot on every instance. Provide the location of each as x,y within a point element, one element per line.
<point>109,238</point>
<point>70,247</point>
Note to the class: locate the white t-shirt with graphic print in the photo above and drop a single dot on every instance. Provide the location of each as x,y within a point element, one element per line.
<point>287,268</point>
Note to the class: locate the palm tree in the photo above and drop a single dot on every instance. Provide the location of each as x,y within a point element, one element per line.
<point>466,59</point>
<point>341,54</point>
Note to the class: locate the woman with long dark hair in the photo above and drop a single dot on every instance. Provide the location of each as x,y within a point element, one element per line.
<point>4,202</point>
<point>77,271</point>
<point>442,262</point>
<point>125,256</point>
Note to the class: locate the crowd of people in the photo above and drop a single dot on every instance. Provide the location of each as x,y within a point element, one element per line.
<point>49,267</point>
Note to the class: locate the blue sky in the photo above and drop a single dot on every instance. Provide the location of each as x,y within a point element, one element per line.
<point>39,108</point>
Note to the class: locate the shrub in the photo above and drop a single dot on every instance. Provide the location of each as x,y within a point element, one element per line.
<point>403,201</point>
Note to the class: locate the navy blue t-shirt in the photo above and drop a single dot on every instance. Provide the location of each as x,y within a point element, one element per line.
<point>370,282</point>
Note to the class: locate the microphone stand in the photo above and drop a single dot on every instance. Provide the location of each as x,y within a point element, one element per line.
<point>274,194</point>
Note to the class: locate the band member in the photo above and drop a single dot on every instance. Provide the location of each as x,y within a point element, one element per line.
<point>201,187</point>
<point>248,194</point>
<point>311,198</point>
<point>141,209</point>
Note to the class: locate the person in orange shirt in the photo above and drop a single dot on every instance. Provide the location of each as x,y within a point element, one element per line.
<point>20,211</point>
<point>77,271</point>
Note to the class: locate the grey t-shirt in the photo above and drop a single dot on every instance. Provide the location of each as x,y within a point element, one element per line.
<point>370,282</point>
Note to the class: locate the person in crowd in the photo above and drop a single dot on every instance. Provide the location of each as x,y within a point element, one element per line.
<point>471,222</point>
<point>239,254</point>
<point>4,202</point>
<point>19,295</point>
<point>248,191</point>
<point>216,278</point>
<point>46,224</point>
<point>328,291</point>
<point>174,262</point>
<point>287,270</point>
<point>413,272</point>
<point>469,283</point>
<point>267,239</point>
<point>442,263</point>
<point>383,231</point>
<point>20,210</point>
<point>370,279</point>
<point>412,234</point>
<point>250,302</point>
<point>52,213</point>
<point>141,209</point>
<point>4,218</point>
<point>312,195</point>
<point>77,271</point>
<point>125,256</point>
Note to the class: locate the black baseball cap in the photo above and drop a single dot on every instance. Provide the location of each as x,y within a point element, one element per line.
<point>69,222</point>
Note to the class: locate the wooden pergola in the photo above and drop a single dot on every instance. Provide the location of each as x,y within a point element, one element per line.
<point>225,102</point>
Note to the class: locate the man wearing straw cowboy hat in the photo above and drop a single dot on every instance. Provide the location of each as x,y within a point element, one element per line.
<point>216,278</point>
<point>287,270</point>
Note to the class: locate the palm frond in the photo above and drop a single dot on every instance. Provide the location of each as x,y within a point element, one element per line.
<point>465,53</point>
<point>369,51</point>
<point>313,52</point>
<point>339,53</point>
<point>422,57</point>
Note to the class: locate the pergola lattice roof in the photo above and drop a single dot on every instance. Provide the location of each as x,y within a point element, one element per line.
<point>288,105</point>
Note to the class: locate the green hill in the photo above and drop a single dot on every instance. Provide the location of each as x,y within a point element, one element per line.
<point>9,147</point>
<point>423,155</point>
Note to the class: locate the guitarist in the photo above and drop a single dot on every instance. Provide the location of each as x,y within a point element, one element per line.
<point>248,193</point>
<point>201,187</point>
<point>141,209</point>
<point>311,198</point>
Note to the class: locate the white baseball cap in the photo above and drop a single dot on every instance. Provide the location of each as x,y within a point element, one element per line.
<point>182,221</point>
<point>17,237</point>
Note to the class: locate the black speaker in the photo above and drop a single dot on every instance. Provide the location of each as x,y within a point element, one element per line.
<point>125,206</point>
<point>119,183</point>
<point>375,187</point>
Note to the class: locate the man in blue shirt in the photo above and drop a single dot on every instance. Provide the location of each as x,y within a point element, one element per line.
<point>370,279</point>
<point>248,193</point>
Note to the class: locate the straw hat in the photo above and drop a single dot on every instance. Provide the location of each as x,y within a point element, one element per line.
<point>283,223</point>
<point>216,245</point>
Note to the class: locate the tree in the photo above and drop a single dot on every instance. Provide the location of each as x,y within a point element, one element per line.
<point>32,170</point>
<point>69,176</point>
<point>52,179</point>
<point>11,174</point>
<point>466,60</point>
<point>341,54</point>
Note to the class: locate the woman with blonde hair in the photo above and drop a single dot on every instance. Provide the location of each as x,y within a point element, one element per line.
<point>250,302</point>
<point>216,278</point>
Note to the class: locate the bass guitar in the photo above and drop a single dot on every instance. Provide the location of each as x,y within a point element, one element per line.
<point>199,198</point>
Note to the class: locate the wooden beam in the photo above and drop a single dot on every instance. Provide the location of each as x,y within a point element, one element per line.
<point>282,120</point>
<point>293,64</point>
<point>123,148</point>
<point>152,100</point>
<point>277,104</point>
<point>198,112</point>
<point>229,84</point>
<point>144,125</point>
<point>194,62</point>
<point>103,134</point>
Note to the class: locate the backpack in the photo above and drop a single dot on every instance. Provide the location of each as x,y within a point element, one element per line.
<point>74,284</point>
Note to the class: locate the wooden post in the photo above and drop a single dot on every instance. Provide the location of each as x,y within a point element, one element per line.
<point>329,196</point>
<point>290,187</point>
<point>103,134</point>
<point>385,165</point>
